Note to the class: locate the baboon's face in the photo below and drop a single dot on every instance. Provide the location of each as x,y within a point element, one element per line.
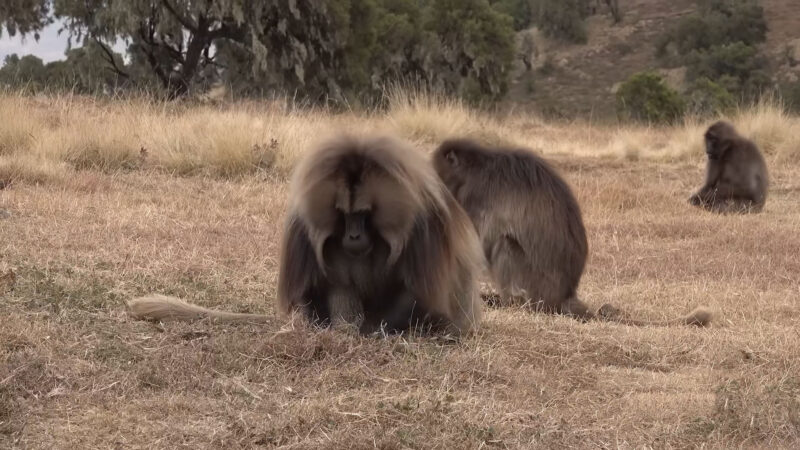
<point>717,140</point>
<point>355,232</point>
<point>358,208</point>
<point>453,167</point>
<point>712,146</point>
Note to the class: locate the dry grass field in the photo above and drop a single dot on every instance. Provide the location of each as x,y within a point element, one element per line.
<point>104,201</point>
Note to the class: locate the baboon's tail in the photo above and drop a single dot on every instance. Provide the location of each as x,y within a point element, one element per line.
<point>159,307</point>
<point>700,317</point>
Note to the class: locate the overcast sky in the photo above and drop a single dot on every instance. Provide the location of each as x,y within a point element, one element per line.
<point>49,47</point>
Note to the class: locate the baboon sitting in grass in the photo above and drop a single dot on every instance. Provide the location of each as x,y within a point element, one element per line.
<point>736,173</point>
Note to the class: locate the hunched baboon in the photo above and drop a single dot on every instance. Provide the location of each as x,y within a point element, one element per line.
<point>373,233</point>
<point>372,239</point>
<point>530,227</point>
<point>736,173</point>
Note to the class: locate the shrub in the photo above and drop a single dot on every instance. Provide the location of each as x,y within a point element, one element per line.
<point>519,10</point>
<point>738,67</point>
<point>707,98</point>
<point>736,60</point>
<point>645,97</point>
<point>790,93</point>
<point>717,22</point>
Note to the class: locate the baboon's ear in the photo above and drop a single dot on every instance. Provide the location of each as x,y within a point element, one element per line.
<point>452,158</point>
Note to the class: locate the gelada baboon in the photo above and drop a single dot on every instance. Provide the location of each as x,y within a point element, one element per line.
<point>530,227</point>
<point>736,174</point>
<point>373,239</point>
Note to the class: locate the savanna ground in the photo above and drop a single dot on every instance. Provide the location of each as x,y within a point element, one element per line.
<point>103,201</point>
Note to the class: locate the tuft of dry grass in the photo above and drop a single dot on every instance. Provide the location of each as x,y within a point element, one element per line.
<point>30,169</point>
<point>92,221</point>
<point>429,118</point>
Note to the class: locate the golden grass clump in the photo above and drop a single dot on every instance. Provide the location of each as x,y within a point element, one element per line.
<point>18,125</point>
<point>430,119</point>
<point>30,169</point>
<point>776,132</point>
<point>232,139</point>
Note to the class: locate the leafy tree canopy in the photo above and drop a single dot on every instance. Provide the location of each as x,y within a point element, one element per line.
<point>344,50</point>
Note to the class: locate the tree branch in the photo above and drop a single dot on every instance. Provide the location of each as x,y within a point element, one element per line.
<point>151,59</point>
<point>187,23</point>
<point>174,53</point>
<point>109,56</point>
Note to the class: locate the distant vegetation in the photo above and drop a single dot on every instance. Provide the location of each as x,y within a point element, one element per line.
<point>83,71</point>
<point>333,51</point>
<point>345,53</point>
<point>718,46</point>
<point>561,19</point>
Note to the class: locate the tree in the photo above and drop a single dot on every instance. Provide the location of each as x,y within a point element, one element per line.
<point>320,50</point>
<point>474,48</point>
<point>174,37</point>
<point>26,72</point>
<point>317,49</point>
<point>86,70</point>
<point>24,16</point>
<point>348,50</point>
<point>83,71</point>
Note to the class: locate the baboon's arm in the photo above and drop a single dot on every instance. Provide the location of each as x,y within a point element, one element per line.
<point>299,272</point>
<point>713,175</point>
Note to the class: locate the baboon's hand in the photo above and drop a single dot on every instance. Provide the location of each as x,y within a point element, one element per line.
<point>695,200</point>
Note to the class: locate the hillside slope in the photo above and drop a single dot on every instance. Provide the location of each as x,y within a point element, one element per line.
<point>574,79</point>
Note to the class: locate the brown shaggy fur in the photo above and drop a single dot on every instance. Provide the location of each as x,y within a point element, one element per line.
<point>530,226</point>
<point>424,253</point>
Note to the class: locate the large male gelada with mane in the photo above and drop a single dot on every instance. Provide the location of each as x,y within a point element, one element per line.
<point>374,238</point>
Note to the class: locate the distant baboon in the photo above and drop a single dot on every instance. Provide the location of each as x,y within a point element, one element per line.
<point>530,226</point>
<point>372,239</point>
<point>736,174</point>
